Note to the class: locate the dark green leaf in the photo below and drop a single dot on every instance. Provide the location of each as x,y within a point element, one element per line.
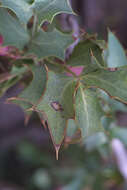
<point>81,55</point>
<point>35,90</point>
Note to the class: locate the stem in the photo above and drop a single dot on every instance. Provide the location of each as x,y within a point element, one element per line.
<point>34,25</point>
<point>64,66</point>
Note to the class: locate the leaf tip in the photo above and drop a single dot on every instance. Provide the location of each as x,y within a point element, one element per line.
<point>57,148</point>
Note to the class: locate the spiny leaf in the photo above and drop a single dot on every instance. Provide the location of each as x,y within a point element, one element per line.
<point>32,94</point>
<point>114,83</point>
<point>20,7</point>
<point>116,54</point>
<point>53,105</point>
<point>81,55</point>
<point>12,31</point>
<point>88,112</point>
<point>113,104</point>
<point>11,79</point>
<point>47,9</point>
<point>50,44</point>
<point>44,9</point>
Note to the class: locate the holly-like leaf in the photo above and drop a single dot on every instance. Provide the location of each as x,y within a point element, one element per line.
<point>116,56</point>
<point>20,7</point>
<point>50,44</point>
<point>81,55</point>
<point>47,9</point>
<point>54,106</point>
<point>35,90</point>
<point>9,80</point>
<point>114,83</point>
<point>12,31</point>
<point>67,99</point>
<point>71,128</point>
<point>88,112</point>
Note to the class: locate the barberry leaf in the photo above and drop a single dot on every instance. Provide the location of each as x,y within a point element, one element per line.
<point>9,80</point>
<point>34,91</point>
<point>88,112</point>
<point>53,43</point>
<point>81,55</point>
<point>47,9</point>
<point>116,56</point>
<point>114,83</point>
<point>12,31</point>
<point>20,7</point>
<point>54,105</point>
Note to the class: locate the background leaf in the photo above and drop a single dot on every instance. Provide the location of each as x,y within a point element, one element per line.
<point>20,7</point>
<point>47,9</point>
<point>116,56</point>
<point>12,31</point>
<point>114,83</point>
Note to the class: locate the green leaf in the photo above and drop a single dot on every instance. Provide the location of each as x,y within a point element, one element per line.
<point>92,67</point>
<point>12,31</point>
<point>54,106</point>
<point>15,75</point>
<point>120,133</point>
<point>95,141</point>
<point>50,44</point>
<point>67,99</point>
<point>88,112</point>
<point>71,128</point>
<point>34,92</point>
<point>81,55</point>
<point>47,9</point>
<point>114,104</point>
<point>113,83</point>
<point>116,54</point>
<point>20,7</point>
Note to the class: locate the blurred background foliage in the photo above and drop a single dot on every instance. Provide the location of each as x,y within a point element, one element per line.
<point>27,160</point>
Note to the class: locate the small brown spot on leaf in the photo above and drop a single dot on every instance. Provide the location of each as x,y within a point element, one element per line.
<point>56,106</point>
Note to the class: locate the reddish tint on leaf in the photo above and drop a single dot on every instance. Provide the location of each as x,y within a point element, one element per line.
<point>1,40</point>
<point>77,70</point>
<point>8,50</point>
